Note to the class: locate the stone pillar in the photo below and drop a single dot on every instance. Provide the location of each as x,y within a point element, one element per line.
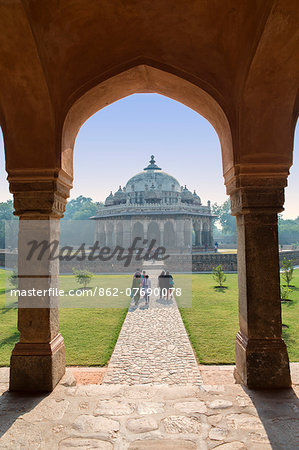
<point>179,231</point>
<point>162,231</point>
<point>204,234</point>
<point>211,242</point>
<point>145,223</point>
<point>261,354</point>
<point>38,359</point>
<point>190,226</point>
<point>198,237</point>
<point>200,241</point>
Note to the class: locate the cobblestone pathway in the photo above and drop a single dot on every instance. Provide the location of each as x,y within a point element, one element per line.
<point>153,346</point>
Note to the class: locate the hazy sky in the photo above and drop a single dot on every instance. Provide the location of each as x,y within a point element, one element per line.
<point>116,143</point>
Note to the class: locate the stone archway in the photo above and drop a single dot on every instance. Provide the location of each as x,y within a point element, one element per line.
<point>153,233</point>
<point>170,85</point>
<point>137,231</point>
<point>155,80</point>
<point>143,77</point>
<point>205,234</point>
<point>169,239</point>
<point>188,233</point>
<point>249,67</point>
<point>198,233</point>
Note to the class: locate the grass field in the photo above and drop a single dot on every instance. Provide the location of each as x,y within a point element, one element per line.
<point>90,334</point>
<point>212,322</point>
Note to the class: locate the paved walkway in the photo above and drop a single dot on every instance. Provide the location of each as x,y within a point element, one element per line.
<point>153,346</point>
<point>151,417</point>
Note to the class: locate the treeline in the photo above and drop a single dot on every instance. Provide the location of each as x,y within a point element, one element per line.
<point>80,208</point>
<point>288,229</point>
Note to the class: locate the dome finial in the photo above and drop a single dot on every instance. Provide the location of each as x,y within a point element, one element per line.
<point>152,164</point>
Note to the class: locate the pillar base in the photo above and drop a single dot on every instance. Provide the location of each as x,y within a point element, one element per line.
<point>262,363</point>
<point>37,367</point>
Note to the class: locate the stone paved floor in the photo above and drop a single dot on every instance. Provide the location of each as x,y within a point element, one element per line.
<point>153,346</point>
<point>157,417</point>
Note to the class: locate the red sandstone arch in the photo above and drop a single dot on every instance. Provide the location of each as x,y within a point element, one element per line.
<point>237,65</point>
<point>144,78</point>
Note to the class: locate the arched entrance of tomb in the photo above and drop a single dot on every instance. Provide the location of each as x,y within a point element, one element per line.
<point>169,240</point>
<point>137,231</point>
<point>154,233</point>
<point>254,205</point>
<point>198,233</point>
<point>205,234</point>
<point>188,233</point>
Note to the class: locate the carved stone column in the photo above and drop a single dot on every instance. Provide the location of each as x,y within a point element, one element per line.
<point>38,359</point>
<point>261,354</point>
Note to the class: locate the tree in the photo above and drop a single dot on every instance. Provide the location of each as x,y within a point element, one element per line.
<point>72,231</point>
<point>227,221</point>
<point>81,208</point>
<point>219,275</point>
<point>83,277</point>
<point>6,214</point>
<point>287,270</point>
<point>288,230</point>
<point>285,292</point>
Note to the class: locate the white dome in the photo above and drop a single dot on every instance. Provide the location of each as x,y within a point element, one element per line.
<point>143,181</point>
<point>153,178</point>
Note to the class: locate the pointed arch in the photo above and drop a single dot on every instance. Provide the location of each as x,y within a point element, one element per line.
<point>143,78</point>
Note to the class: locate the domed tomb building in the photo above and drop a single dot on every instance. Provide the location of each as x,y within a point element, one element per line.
<point>153,205</point>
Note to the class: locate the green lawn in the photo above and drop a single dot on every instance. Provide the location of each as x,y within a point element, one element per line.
<point>212,322</point>
<point>89,333</point>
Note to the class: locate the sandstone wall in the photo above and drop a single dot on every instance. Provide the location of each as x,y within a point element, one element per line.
<point>175,263</point>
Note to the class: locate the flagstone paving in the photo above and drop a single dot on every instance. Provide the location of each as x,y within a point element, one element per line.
<point>153,346</point>
<point>155,417</point>
<point>152,397</point>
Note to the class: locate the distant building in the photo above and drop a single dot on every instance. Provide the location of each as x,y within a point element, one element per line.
<point>153,205</point>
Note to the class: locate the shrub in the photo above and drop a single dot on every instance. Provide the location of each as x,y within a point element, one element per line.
<point>83,277</point>
<point>14,279</point>
<point>287,270</point>
<point>285,292</point>
<point>219,275</point>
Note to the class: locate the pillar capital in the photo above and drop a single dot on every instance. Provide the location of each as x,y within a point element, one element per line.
<point>256,189</point>
<point>40,193</point>
<point>258,200</point>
